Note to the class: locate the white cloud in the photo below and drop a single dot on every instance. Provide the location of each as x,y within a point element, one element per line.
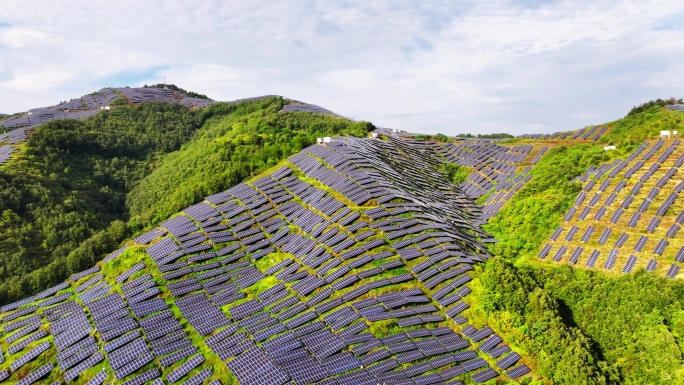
<point>349,79</point>
<point>431,66</point>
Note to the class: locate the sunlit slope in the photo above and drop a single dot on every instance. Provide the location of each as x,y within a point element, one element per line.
<point>346,264</point>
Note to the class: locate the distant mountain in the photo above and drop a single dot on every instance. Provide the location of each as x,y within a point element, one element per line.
<point>104,99</point>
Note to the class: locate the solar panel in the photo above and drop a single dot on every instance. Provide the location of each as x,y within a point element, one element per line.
<point>672,271</point>
<point>560,253</point>
<point>133,366</point>
<point>584,213</point>
<point>660,247</point>
<point>22,332</point>
<point>499,351</point>
<point>78,369</point>
<point>594,200</point>
<point>621,240</point>
<point>84,274</point>
<point>127,353</point>
<point>508,361</point>
<point>570,214</point>
<point>35,375</point>
<point>610,261</point>
<point>673,230</point>
<point>574,257</point>
<point>518,372</point>
<point>185,368</point>
<point>30,355</point>
<point>99,378</point>
<point>571,233</point>
<point>200,377</point>
<point>680,255</point>
<point>587,234</point>
<point>484,375</point>
<point>629,265</point>
<point>605,235</point>
<point>616,215</point>
<point>600,213</point>
<point>592,258</point>
<point>148,375</point>
<point>25,342</point>
<point>544,251</point>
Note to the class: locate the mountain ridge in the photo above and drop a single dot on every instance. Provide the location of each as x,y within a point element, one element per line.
<point>354,260</point>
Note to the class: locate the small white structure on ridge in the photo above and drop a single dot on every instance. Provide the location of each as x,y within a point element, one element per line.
<point>665,133</point>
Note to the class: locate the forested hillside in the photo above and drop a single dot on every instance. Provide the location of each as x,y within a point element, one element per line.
<point>80,187</point>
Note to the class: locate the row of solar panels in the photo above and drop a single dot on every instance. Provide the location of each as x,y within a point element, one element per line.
<point>610,260</point>
<point>593,133</point>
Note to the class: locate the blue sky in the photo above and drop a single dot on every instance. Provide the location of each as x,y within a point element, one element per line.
<point>426,66</point>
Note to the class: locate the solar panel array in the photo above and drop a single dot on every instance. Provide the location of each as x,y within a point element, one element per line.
<point>496,165</point>
<point>5,153</point>
<point>282,279</point>
<point>619,204</point>
<point>140,95</point>
<point>499,171</point>
<point>592,133</point>
<point>86,106</point>
<point>305,107</point>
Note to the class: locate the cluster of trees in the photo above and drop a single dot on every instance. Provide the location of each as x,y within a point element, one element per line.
<point>82,187</point>
<point>583,326</point>
<point>635,321</point>
<point>71,183</point>
<point>511,301</point>
<point>455,173</point>
<point>654,103</point>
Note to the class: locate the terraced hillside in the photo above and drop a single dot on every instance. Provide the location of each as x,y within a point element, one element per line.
<point>370,261</point>
<point>347,264</point>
